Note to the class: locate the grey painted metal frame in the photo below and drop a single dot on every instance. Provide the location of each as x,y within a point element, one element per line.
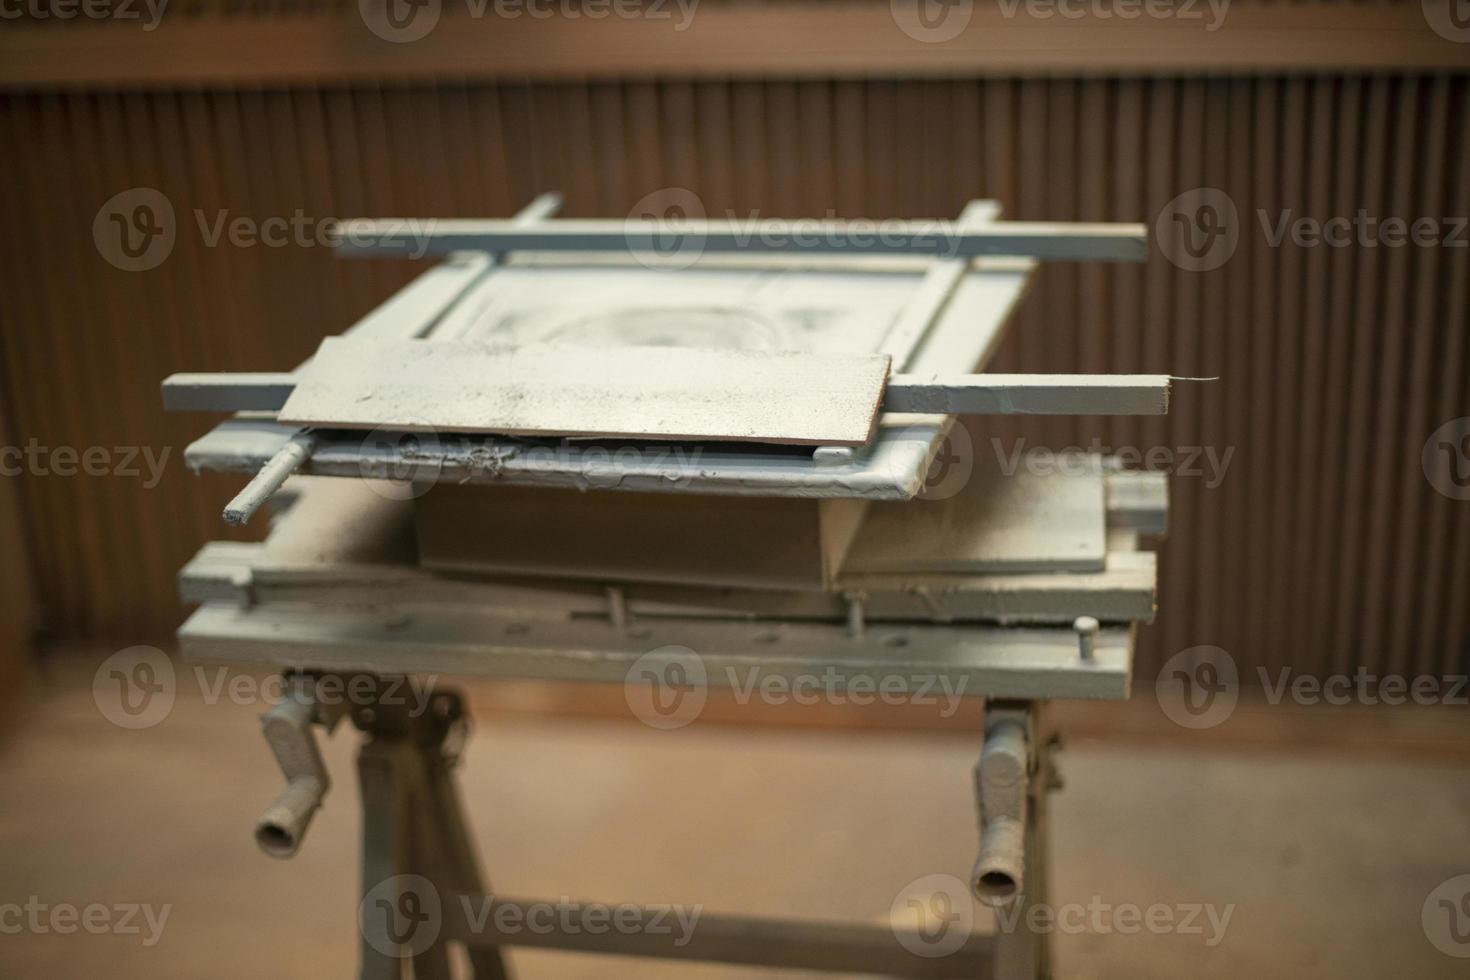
<point>945,239</point>
<point>972,394</point>
<point>892,467</point>
<point>977,661</point>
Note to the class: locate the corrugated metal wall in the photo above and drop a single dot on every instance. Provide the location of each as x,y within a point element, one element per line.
<point>1324,545</point>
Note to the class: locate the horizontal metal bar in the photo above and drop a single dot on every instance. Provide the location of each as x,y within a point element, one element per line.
<point>964,394</point>
<point>973,661</point>
<point>416,237</point>
<point>482,920</point>
<point>1029,394</point>
<point>227,392</point>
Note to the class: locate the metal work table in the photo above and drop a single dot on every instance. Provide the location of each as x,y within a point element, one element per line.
<point>337,591</point>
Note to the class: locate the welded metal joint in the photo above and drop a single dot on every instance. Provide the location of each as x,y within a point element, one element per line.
<point>1002,783</point>
<point>287,728</point>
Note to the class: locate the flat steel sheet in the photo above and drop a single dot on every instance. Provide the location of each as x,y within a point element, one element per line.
<point>676,393</point>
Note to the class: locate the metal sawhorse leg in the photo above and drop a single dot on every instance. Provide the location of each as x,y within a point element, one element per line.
<point>421,877</point>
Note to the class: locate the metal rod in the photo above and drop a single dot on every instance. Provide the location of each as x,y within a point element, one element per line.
<point>957,394</point>
<point>946,239</point>
<point>274,473</point>
<point>1028,394</point>
<point>480,920</point>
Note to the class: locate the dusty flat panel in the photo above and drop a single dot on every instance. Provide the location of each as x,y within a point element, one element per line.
<point>892,467</point>
<point>1025,521</point>
<point>614,392</point>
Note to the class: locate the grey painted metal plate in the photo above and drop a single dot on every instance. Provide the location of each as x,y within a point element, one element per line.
<point>638,392</point>
<point>891,467</point>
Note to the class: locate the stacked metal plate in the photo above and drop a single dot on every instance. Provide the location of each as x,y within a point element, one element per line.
<point>411,548</point>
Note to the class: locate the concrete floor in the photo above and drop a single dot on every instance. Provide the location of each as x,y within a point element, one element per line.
<point>1327,859</point>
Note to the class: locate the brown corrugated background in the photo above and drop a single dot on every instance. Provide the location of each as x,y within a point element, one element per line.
<point>1325,547</point>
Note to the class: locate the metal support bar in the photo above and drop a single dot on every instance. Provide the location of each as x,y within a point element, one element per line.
<point>958,394</point>
<point>1029,394</point>
<point>413,833</point>
<point>946,239</point>
<point>822,946</point>
<point>254,391</point>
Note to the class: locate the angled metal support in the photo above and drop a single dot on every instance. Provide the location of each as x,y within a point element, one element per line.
<point>418,858</point>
